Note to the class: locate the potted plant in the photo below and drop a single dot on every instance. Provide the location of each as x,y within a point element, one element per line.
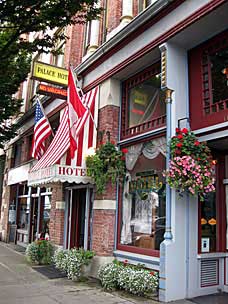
<point>106,165</point>
<point>191,166</point>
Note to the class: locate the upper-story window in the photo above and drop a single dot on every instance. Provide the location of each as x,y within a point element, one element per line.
<point>143,106</point>
<point>208,66</point>
<point>17,148</point>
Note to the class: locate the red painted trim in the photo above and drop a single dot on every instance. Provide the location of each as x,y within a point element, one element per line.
<point>155,43</point>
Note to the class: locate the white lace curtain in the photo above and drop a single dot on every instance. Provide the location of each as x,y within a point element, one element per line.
<point>150,150</point>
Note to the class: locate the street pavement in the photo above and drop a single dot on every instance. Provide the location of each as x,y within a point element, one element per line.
<point>21,284</point>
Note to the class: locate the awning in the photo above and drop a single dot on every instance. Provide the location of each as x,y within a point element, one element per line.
<point>18,175</point>
<point>59,173</point>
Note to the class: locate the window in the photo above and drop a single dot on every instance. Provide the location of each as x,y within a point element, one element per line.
<point>215,80</point>
<point>23,219</point>
<point>17,154</point>
<point>142,220</point>
<point>143,106</point>
<point>145,3</point>
<point>208,82</point>
<point>46,203</point>
<point>208,223</point>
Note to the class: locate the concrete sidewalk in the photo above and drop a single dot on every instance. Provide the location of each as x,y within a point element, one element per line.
<point>21,284</point>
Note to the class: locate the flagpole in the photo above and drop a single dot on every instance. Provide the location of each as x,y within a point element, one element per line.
<point>82,93</point>
<point>41,106</point>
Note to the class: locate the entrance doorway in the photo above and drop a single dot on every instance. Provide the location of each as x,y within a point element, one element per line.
<point>213,229</point>
<point>78,217</point>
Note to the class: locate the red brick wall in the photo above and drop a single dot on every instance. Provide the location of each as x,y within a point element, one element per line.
<point>74,45</point>
<point>108,120</point>
<point>104,220</point>
<point>57,216</point>
<point>103,232</point>
<point>7,193</point>
<point>114,14</point>
<point>135,7</point>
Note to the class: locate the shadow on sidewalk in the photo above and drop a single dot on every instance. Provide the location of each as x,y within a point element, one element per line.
<point>219,298</point>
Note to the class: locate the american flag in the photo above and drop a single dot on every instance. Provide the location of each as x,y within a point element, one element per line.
<point>61,142</point>
<point>42,130</point>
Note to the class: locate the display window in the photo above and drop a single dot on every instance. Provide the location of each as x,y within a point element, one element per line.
<point>143,106</point>
<point>46,201</point>
<point>142,198</point>
<point>213,232</point>
<point>23,220</point>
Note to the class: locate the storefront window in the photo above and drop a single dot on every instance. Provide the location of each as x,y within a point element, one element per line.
<point>143,197</point>
<point>23,213</point>
<point>46,215</point>
<point>208,223</point>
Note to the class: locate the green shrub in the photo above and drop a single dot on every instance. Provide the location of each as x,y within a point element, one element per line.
<point>134,279</point>
<point>40,252</point>
<point>71,261</point>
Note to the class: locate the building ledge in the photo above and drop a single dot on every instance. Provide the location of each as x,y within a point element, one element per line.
<point>130,28</point>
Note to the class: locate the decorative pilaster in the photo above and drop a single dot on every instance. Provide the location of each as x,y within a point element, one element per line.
<point>127,11</point>
<point>94,37</point>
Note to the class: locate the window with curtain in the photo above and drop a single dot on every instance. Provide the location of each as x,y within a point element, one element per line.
<point>143,196</point>
<point>143,102</point>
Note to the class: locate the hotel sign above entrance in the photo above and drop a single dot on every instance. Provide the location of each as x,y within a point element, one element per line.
<point>49,73</point>
<point>58,173</point>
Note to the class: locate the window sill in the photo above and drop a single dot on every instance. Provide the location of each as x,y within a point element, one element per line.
<point>135,258</point>
<point>212,255</point>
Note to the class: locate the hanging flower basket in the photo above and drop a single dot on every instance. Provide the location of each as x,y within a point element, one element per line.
<point>191,166</point>
<point>106,165</point>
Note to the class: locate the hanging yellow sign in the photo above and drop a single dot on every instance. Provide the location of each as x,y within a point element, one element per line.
<point>49,73</point>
